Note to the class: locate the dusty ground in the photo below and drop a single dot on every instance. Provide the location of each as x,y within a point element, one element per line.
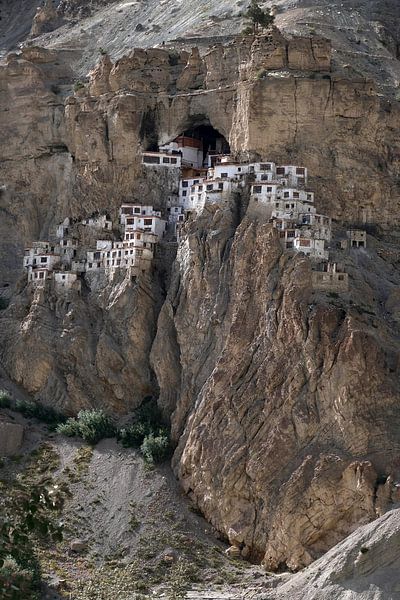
<point>131,519</point>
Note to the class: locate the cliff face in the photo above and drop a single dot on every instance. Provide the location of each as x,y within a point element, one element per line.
<point>287,408</point>
<point>283,402</point>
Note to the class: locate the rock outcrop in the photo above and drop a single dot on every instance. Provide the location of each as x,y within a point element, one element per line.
<point>364,565</point>
<point>277,444</point>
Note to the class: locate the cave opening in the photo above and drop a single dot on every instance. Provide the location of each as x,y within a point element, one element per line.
<point>199,146</point>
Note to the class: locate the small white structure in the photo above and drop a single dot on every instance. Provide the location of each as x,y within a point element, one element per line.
<point>293,175</point>
<point>99,222</point>
<point>330,278</point>
<point>190,150</point>
<point>176,215</point>
<point>66,280</point>
<point>357,238</point>
<point>161,159</point>
<point>63,228</point>
<point>38,275</point>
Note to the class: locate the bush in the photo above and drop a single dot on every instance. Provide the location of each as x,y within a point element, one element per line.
<point>155,448</point>
<point>70,428</point>
<point>38,411</point>
<point>91,425</point>
<point>95,425</point>
<point>5,400</point>
<point>17,582</point>
<point>133,435</point>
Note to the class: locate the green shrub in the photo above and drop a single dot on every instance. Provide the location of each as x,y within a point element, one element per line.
<point>5,400</point>
<point>133,435</point>
<point>17,581</point>
<point>38,411</point>
<point>91,425</point>
<point>155,448</point>
<point>147,420</point>
<point>95,425</point>
<point>70,428</point>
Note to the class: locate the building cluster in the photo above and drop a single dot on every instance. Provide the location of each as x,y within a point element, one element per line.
<point>63,260</point>
<point>277,192</point>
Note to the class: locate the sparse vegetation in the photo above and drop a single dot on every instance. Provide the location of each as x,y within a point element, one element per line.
<point>38,411</point>
<point>5,399</point>
<point>147,432</point>
<point>155,447</point>
<point>91,425</point>
<point>259,18</point>
<point>25,515</point>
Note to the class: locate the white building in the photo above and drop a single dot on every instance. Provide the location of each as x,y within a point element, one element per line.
<point>161,159</point>
<point>185,186</point>
<point>66,280</point>
<point>63,228</point>
<point>38,276</point>
<point>99,222</point>
<point>190,150</point>
<point>357,238</point>
<point>137,210</point>
<point>293,175</point>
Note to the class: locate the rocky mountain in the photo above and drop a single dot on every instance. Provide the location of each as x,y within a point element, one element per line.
<point>283,400</point>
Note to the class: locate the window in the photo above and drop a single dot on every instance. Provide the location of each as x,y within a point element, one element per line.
<point>210,187</point>
<point>286,195</point>
<point>296,195</point>
<point>148,221</point>
<point>224,175</point>
<point>136,210</point>
<point>290,234</point>
<point>300,171</point>
<point>151,160</point>
<point>138,236</point>
<point>305,243</point>
<point>287,205</point>
<point>257,189</point>
<point>341,277</point>
<point>184,193</point>
<point>43,259</point>
<point>265,167</point>
<point>264,177</point>
<point>280,170</point>
<point>289,244</point>
<point>196,181</point>
<point>276,204</point>
<point>41,275</point>
<point>200,188</point>
<point>309,196</point>
<point>185,184</point>
<point>90,265</point>
<point>220,186</point>
<point>173,161</point>
<point>239,169</point>
<point>281,234</point>
<point>165,160</point>
<point>62,276</point>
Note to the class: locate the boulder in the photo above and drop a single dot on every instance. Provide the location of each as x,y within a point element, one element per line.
<point>11,436</point>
